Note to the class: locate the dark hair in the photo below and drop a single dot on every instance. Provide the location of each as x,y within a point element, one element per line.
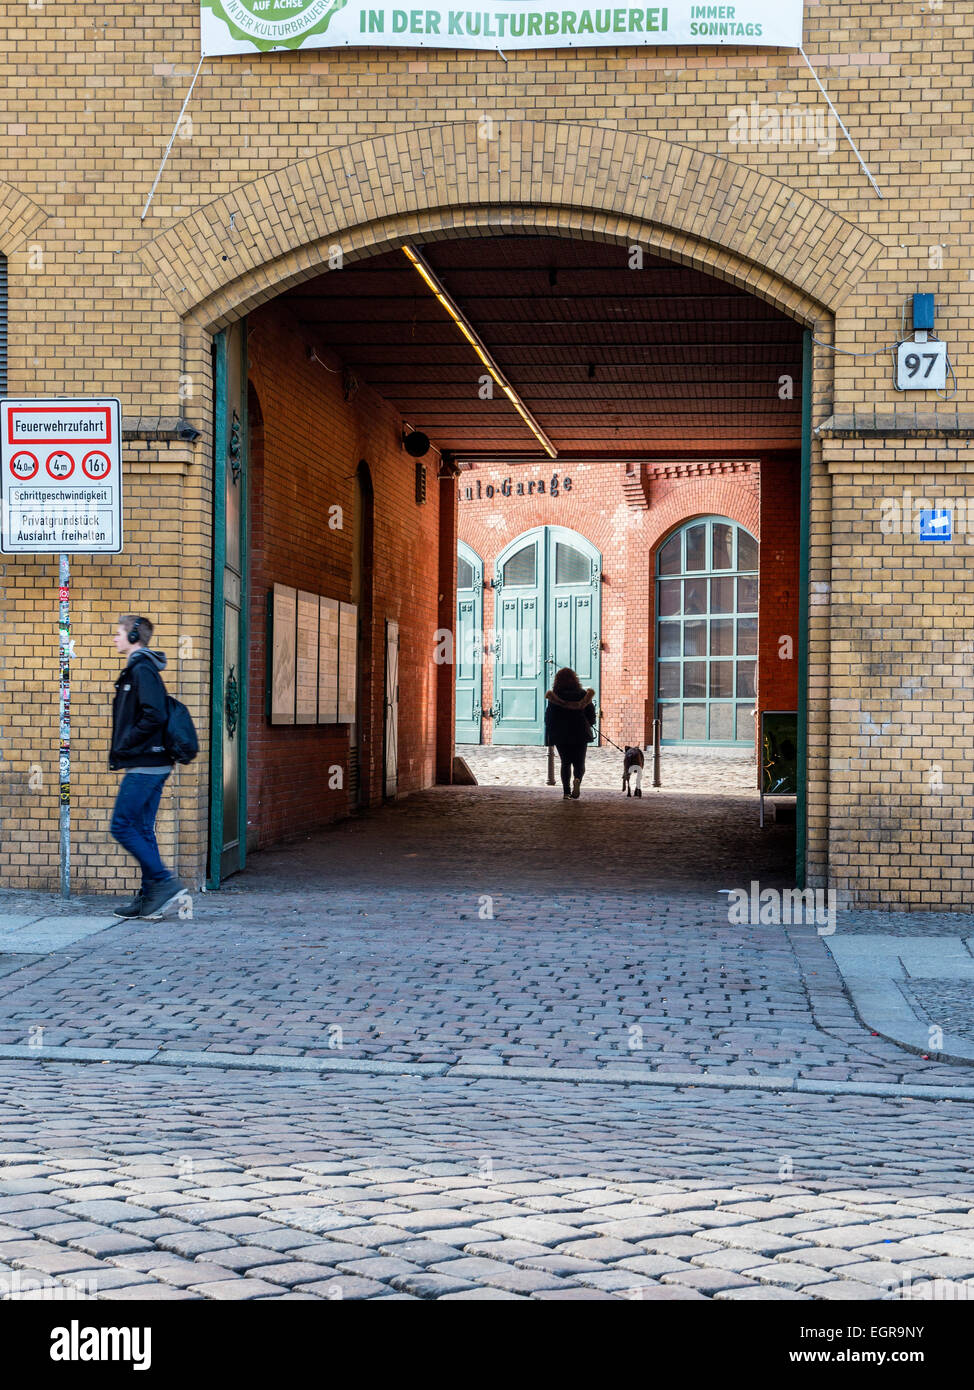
<point>133,623</point>
<point>567,685</point>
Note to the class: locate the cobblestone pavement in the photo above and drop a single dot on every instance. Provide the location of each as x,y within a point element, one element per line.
<point>713,772</point>
<point>138,1183</point>
<point>946,1004</point>
<point>484,928</point>
<point>374,941</point>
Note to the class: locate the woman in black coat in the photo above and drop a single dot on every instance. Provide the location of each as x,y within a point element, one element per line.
<point>569,719</point>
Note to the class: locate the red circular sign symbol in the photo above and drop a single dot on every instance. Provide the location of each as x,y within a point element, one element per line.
<point>24,465</point>
<point>96,465</point>
<point>60,464</point>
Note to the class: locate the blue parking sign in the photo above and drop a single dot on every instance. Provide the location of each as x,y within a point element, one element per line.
<point>936,525</point>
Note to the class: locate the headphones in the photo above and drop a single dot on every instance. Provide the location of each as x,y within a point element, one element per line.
<point>134,634</point>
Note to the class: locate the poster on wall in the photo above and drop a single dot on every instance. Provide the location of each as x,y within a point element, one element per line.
<point>306,664</point>
<point>283,649</point>
<point>260,26</point>
<point>328,660</point>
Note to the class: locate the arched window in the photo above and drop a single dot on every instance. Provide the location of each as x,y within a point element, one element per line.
<point>707,633</point>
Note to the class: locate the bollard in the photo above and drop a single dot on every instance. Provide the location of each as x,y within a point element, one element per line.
<point>657,733</point>
<point>551,766</point>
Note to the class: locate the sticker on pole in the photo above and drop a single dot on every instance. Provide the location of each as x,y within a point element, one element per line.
<point>61,477</point>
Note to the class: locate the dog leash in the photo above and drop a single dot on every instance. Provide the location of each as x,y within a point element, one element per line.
<point>614,745</point>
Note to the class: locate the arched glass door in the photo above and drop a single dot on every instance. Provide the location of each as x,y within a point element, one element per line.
<point>547,614</point>
<point>707,633</point>
<point>469,654</point>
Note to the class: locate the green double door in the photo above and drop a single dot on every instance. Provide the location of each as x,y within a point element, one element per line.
<point>547,614</point>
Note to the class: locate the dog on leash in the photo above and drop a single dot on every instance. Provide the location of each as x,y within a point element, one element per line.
<point>633,767</point>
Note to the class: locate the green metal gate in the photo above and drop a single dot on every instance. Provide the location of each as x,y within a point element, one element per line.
<point>547,614</point>
<point>228,711</point>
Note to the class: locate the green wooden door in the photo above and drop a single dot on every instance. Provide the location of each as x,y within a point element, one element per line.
<point>469,653</point>
<point>547,614</point>
<point>573,607</point>
<point>519,673</point>
<point>228,740</point>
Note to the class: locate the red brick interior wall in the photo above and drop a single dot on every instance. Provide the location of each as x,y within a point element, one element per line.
<point>594,506</point>
<point>780,525</point>
<point>626,517</point>
<point>304,461</point>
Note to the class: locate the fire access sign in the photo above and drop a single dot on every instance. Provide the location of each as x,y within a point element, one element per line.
<point>61,487</point>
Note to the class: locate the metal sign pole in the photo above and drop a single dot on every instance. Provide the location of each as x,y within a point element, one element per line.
<point>64,630</point>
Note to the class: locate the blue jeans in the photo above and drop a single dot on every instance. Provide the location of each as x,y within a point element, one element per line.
<point>134,823</point>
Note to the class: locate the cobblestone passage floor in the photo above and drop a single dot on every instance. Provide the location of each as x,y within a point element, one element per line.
<point>486,926</point>
<point>475,927</point>
<point>149,1184</point>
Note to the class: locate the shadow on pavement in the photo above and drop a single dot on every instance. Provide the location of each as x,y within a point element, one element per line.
<point>523,839</point>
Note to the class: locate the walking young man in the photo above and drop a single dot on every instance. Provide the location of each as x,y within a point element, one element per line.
<point>138,724</point>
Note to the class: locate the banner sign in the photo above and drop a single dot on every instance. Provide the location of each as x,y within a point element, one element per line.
<point>249,26</point>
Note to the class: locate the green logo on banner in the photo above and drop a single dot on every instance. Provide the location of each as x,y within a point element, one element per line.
<point>275,23</point>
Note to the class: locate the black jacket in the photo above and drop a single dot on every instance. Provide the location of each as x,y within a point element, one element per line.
<point>139,713</point>
<point>569,721</point>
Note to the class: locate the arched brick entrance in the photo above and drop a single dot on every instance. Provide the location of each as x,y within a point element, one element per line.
<point>539,178</point>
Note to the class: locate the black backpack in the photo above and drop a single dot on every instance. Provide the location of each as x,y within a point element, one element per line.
<point>180,739</point>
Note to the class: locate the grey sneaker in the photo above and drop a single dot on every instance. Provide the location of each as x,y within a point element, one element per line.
<point>130,909</point>
<point>159,896</point>
<point>576,788</point>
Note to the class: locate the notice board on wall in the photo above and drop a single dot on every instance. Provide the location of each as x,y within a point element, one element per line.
<point>779,754</point>
<point>283,646</point>
<point>328,660</point>
<point>313,666</point>
<point>306,660</point>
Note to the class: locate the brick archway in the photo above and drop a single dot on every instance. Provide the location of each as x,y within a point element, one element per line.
<point>705,496</point>
<point>536,178</point>
<point>554,177</point>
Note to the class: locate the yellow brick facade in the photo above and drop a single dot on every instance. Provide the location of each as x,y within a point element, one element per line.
<point>284,156</point>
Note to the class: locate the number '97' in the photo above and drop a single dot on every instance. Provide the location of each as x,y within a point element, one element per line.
<point>914,360</point>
